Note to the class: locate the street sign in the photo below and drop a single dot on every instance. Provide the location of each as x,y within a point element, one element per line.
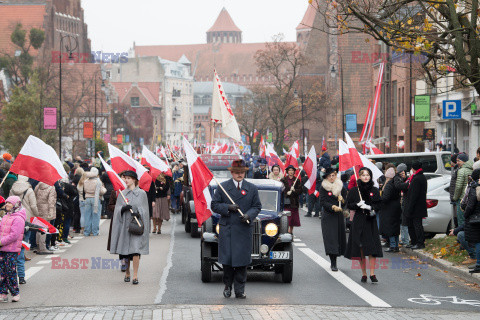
<point>50,118</point>
<point>422,108</point>
<point>351,122</point>
<point>452,109</point>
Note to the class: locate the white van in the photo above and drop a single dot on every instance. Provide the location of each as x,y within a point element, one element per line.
<point>434,163</point>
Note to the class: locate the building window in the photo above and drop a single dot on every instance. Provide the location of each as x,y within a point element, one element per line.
<point>135,101</point>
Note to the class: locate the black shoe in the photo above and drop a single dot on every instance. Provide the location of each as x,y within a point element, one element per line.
<point>316,215</point>
<point>135,281</point>
<point>126,279</point>
<point>308,215</point>
<point>408,246</point>
<point>397,249</point>
<point>333,267</point>
<point>475,270</point>
<point>21,281</point>
<point>240,295</point>
<point>373,279</point>
<point>364,279</point>
<point>227,292</point>
<point>418,246</point>
<point>390,250</point>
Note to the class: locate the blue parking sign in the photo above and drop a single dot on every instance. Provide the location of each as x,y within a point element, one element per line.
<point>452,109</point>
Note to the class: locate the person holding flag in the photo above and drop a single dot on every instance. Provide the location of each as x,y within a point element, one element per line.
<point>292,191</point>
<point>163,185</point>
<point>262,172</point>
<point>132,205</point>
<point>236,221</point>
<point>12,227</point>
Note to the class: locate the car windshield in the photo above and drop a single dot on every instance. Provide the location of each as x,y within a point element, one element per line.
<point>269,199</point>
<point>446,162</point>
<point>429,161</point>
<point>221,174</point>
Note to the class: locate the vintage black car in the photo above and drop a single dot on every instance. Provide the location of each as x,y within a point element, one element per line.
<point>218,164</point>
<point>272,249</point>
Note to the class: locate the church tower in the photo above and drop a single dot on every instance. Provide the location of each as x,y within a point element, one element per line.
<point>224,30</point>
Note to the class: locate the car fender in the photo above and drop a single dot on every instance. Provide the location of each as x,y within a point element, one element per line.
<point>210,237</point>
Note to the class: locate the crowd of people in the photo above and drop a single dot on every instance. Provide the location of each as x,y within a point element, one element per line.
<point>75,205</point>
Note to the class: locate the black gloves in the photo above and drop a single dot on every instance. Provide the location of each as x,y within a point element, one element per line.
<point>245,218</point>
<point>136,214</point>
<point>126,208</point>
<point>233,207</point>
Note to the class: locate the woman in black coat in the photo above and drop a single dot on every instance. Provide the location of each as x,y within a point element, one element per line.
<point>472,231</point>
<point>293,189</point>
<point>391,211</point>
<point>332,196</point>
<point>364,238</point>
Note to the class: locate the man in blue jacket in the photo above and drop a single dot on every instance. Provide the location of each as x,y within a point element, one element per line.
<point>235,229</point>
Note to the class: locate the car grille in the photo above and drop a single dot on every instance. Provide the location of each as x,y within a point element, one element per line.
<point>257,237</point>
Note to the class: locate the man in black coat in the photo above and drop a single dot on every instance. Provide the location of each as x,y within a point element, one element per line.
<point>235,237</point>
<point>416,206</point>
<point>261,173</point>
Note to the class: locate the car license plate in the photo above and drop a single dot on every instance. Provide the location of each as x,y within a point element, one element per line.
<point>279,254</point>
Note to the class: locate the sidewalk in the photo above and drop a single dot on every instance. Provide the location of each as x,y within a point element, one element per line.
<point>460,271</point>
<point>253,312</point>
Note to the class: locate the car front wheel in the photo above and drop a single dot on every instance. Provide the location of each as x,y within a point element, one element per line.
<point>206,266</point>
<point>287,271</point>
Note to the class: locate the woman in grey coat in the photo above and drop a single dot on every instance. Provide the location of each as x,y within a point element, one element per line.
<point>129,246</point>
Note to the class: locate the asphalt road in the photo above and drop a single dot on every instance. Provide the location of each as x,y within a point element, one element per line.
<point>170,274</point>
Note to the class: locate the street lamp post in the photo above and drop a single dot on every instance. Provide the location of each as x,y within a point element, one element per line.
<point>333,71</point>
<point>295,94</point>
<point>72,46</point>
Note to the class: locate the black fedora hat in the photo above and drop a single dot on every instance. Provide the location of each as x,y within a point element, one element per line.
<point>129,173</point>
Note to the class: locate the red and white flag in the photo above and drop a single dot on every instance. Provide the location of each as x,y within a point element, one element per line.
<point>224,148</point>
<point>117,182</point>
<point>344,161</point>
<point>222,111</point>
<point>39,161</point>
<point>273,158</point>
<point>366,123</point>
<point>262,149</point>
<point>200,177</point>
<point>310,167</point>
<point>121,162</point>
<point>295,150</point>
<point>354,155</point>
<point>44,225</point>
<point>156,164</point>
<point>26,245</point>
<point>373,148</point>
<point>376,101</point>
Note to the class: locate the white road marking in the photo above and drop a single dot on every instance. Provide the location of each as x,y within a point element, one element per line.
<point>73,241</point>
<point>102,221</point>
<point>296,240</point>
<point>166,270</point>
<point>44,262</point>
<point>31,271</point>
<point>341,277</point>
<point>77,238</point>
<point>60,250</point>
<point>299,244</point>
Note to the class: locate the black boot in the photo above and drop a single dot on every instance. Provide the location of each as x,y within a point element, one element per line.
<point>333,265</point>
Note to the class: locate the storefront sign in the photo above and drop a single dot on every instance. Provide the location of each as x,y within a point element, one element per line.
<point>422,108</point>
<point>88,130</point>
<point>50,118</point>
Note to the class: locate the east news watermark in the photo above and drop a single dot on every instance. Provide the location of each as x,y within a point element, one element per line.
<point>93,57</point>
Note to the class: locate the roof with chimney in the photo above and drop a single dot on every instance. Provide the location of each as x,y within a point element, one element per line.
<point>224,22</point>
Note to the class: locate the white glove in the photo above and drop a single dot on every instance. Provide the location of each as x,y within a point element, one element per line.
<point>27,228</point>
<point>289,192</point>
<point>361,203</point>
<point>366,207</point>
<point>292,189</point>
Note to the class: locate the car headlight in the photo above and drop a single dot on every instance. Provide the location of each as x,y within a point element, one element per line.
<point>263,249</point>
<point>217,228</point>
<point>271,229</point>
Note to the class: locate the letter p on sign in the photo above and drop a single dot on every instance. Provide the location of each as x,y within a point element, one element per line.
<point>452,109</point>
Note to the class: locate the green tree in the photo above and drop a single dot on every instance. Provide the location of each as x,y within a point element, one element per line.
<point>22,116</point>
<point>101,145</point>
<point>20,66</point>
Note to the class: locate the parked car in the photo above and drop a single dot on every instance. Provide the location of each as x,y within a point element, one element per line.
<point>218,164</point>
<point>432,162</point>
<point>272,249</point>
<point>440,214</point>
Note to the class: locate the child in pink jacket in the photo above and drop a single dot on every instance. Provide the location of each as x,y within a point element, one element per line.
<point>12,227</point>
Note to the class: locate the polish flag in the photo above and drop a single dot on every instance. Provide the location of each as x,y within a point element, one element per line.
<point>366,123</point>
<point>373,148</point>
<point>26,245</point>
<point>129,150</point>
<point>310,167</point>
<point>377,173</point>
<point>235,149</point>
<point>345,162</point>
<point>273,158</point>
<point>121,162</point>
<point>156,164</point>
<point>37,160</point>
<point>255,134</point>
<point>224,148</point>
<point>215,149</point>
<point>200,179</point>
<point>376,101</point>
<point>117,182</point>
<point>44,225</point>
<point>295,150</point>
<point>354,155</point>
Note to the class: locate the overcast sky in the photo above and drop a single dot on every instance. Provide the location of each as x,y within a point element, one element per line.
<point>113,25</point>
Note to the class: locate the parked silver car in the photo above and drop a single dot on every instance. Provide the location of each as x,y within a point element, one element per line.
<point>440,214</point>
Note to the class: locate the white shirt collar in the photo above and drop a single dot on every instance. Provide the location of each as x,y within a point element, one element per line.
<point>235,183</point>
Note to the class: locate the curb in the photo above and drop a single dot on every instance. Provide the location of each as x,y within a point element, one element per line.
<point>444,265</point>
